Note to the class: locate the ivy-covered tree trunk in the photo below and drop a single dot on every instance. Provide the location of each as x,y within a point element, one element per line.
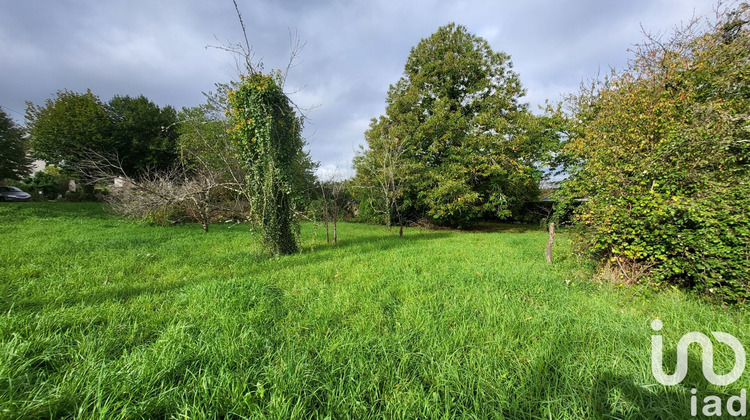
<point>268,138</point>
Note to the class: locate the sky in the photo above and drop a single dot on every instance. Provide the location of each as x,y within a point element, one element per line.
<point>353,50</point>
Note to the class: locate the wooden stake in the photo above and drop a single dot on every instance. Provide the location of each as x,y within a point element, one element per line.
<point>550,242</point>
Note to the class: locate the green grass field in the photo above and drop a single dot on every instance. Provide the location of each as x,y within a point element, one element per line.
<point>104,318</point>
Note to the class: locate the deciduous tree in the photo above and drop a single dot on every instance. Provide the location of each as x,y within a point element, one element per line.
<point>137,130</point>
<point>67,125</point>
<point>382,172</point>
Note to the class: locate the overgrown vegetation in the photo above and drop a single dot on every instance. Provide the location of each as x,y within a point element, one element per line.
<point>48,184</point>
<point>105,318</point>
<point>662,152</point>
<point>267,136</point>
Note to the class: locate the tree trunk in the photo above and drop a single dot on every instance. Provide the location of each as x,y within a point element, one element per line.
<point>335,217</point>
<point>206,213</point>
<point>325,216</point>
<point>550,242</point>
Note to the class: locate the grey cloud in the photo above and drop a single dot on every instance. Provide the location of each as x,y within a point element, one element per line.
<point>354,50</point>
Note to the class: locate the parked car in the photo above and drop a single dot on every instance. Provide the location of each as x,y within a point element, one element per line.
<point>13,194</point>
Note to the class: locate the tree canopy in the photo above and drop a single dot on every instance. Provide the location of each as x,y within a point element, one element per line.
<point>143,134</point>
<point>456,120</point>
<point>65,126</point>
<point>140,132</point>
<point>14,160</point>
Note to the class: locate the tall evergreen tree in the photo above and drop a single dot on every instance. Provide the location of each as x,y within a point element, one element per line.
<point>14,160</point>
<point>456,119</point>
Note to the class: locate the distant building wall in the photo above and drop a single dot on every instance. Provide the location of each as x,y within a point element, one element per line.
<point>38,166</point>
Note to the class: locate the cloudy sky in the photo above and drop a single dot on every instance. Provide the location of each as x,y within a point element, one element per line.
<point>354,49</point>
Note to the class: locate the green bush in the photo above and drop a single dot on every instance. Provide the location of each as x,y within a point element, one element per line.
<point>663,155</point>
<point>51,182</point>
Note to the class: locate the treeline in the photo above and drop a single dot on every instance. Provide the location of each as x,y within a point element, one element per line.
<point>656,154</point>
<point>142,134</point>
<point>68,127</point>
<point>158,164</point>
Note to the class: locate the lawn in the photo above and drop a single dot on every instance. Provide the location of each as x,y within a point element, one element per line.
<point>105,318</point>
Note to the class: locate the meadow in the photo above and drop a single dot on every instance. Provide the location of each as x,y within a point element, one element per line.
<point>106,318</point>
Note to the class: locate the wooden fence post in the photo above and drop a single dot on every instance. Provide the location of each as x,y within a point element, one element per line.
<point>551,241</point>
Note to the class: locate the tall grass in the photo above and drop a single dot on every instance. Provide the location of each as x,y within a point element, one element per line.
<point>103,318</point>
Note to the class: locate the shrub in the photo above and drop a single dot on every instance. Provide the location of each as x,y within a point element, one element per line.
<point>52,182</point>
<point>663,154</point>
